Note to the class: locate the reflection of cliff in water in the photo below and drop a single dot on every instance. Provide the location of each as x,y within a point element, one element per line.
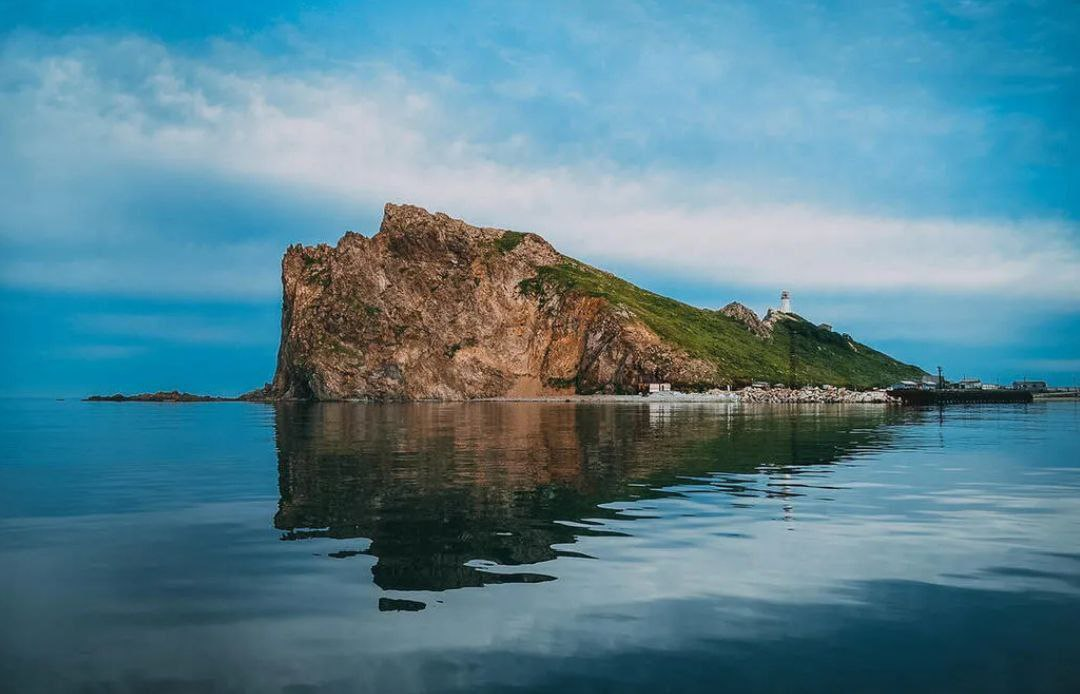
<point>435,486</point>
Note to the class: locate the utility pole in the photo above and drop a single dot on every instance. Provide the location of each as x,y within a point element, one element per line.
<point>940,380</point>
<point>791,359</point>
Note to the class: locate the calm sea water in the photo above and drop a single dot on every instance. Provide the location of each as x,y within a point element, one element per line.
<point>497,546</point>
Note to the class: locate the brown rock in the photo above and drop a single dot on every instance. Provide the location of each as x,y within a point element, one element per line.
<point>432,308</point>
<point>747,317</point>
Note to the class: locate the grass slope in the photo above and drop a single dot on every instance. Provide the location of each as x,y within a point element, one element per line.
<point>797,352</point>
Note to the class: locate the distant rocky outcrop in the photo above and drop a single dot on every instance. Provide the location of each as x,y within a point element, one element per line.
<point>160,396</point>
<point>433,308</point>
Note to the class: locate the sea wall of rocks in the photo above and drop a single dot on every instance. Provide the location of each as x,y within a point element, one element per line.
<point>811,394</point>
<point>823,394</point>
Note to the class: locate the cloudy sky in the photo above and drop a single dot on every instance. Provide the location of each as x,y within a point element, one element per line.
<point>908,170</point>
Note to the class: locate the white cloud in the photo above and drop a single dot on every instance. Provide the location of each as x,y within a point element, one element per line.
<point>233,271</point>
<point>99,352</point>
<point>227,330</point>
<point>375,137</point>
<point>1057,366</point>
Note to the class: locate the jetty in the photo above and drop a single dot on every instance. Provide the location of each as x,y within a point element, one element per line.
<point>948,396</point>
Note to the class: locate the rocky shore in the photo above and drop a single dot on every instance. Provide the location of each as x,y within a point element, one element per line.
<point>823,394</point>
<point>160,396</point>
<point>810,394</point>
<point>813,394</point>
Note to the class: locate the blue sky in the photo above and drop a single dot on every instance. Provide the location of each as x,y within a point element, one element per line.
<point>907,170</point>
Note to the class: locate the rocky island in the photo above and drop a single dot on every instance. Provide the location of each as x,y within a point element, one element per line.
<point>160,396</point>
<point>433,308</point>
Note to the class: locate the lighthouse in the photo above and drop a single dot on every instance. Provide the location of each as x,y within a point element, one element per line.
<point>785,302</point>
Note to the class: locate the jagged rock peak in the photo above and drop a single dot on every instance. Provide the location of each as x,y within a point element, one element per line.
<point>414,219</point>
<point>747,317</point>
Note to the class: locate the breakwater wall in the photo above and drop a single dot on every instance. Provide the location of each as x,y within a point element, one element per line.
<point>955,397</point>
<point>812,394</point>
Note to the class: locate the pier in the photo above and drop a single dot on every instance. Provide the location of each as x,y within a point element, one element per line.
<point>916,396</point>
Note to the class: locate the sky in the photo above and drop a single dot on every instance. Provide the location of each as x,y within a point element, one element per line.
<point>907,170</point>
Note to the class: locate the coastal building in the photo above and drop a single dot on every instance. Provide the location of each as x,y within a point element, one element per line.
<point>1031,386</point>
<point>968,384</point>
<point>926,382</point>
<point>658,387</point>
<point>785,302</point>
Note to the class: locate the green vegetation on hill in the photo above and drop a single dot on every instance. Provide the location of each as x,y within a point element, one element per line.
<point>509,241</point>
<point>797,352</point>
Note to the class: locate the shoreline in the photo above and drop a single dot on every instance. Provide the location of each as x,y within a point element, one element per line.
<point>749,395</point>
<point>604,398</point>
<point>810,395</point>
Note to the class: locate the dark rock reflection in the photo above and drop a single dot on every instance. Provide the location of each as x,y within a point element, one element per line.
<point>441,489</point>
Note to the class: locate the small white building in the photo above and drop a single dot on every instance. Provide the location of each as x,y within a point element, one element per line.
<point>659,387</point>
<point>785,301</point>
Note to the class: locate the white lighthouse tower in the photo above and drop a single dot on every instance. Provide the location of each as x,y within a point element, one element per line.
<point>785,302</point>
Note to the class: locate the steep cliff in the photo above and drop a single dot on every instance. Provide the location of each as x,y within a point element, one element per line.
<point>433,308</point>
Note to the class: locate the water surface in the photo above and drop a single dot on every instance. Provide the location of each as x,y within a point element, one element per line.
<point>532,546</point>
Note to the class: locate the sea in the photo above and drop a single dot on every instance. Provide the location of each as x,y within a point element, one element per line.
<point>538,546</point>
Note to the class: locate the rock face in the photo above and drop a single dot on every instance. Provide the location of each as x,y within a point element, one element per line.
<point>433,308</point>
<point>747,317</point>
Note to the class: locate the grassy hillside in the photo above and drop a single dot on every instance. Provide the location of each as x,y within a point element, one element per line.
<point>797,352</point>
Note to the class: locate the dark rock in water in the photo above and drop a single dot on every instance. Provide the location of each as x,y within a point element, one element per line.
<point>347,553</point>
<point>395,605</point>
<point>433,308</point>
<point>160,396</point>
